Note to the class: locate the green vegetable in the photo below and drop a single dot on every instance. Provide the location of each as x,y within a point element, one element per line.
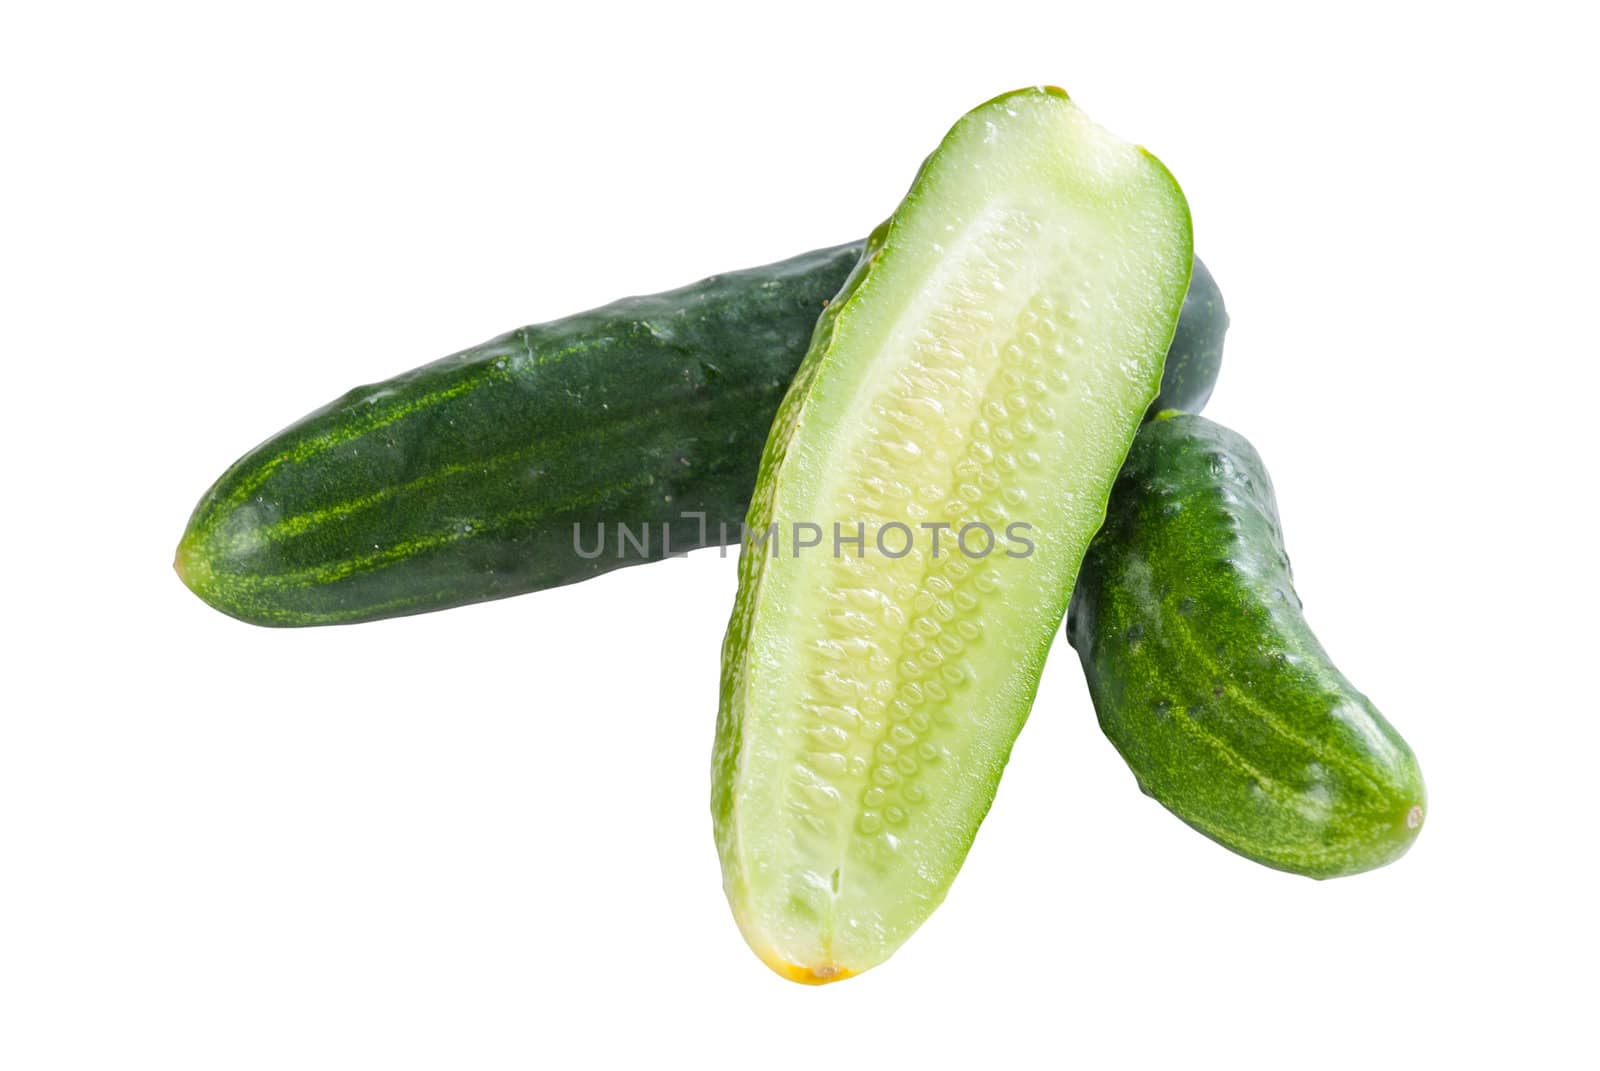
<point>1195,357</point>
<point>984,368</point>
<point>463,480</point>
<point>1207,678</point>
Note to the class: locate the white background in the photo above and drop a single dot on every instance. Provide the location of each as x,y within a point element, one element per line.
<point>480,839</point>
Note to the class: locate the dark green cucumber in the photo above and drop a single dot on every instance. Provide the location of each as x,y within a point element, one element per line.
<point>463,480</point>
<point>1195,357</point>
<point>1207,678</point>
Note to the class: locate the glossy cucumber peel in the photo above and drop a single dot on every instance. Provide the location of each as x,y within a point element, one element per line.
<point>1208,680</point>
<point>461,481</point>
<point>1195,356</point>
<point>986,363</point>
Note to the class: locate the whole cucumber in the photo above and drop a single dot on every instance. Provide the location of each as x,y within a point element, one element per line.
<point>1208,680</point>
<point>506,468</point>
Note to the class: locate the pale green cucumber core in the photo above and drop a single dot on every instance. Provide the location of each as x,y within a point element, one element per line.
<point>988,365</point>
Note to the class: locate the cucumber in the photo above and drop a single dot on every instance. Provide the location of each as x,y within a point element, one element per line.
<point>1195,356</point>
<point>487,473</point>
<point>1208,680</point>
<point>484,474</point>
<point>985,368</point>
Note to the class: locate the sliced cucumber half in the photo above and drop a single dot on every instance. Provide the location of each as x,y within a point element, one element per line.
<point>925,498</point>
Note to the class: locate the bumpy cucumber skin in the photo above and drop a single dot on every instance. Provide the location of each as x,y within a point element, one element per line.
<point>461,481</point>
<point>1208,680</point>
<point>1195,356</point>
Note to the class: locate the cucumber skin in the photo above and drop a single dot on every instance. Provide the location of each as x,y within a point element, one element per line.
<point>466,476</point>
<point>1208,680</point>
<point>1195,357</point>
<point>460,481</point>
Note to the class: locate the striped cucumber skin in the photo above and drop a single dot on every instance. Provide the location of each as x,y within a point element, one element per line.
<point>463,479</point>
<point>986,364</point>
<point>1208,680</point>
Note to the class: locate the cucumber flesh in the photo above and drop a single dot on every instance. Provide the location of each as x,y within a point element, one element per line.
<point>986,364</point>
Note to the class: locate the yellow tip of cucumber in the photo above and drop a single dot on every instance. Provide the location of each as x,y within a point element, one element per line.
<point>812,974</point>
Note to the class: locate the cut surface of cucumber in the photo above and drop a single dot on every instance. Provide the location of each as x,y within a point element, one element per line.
<point>963,410</point>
